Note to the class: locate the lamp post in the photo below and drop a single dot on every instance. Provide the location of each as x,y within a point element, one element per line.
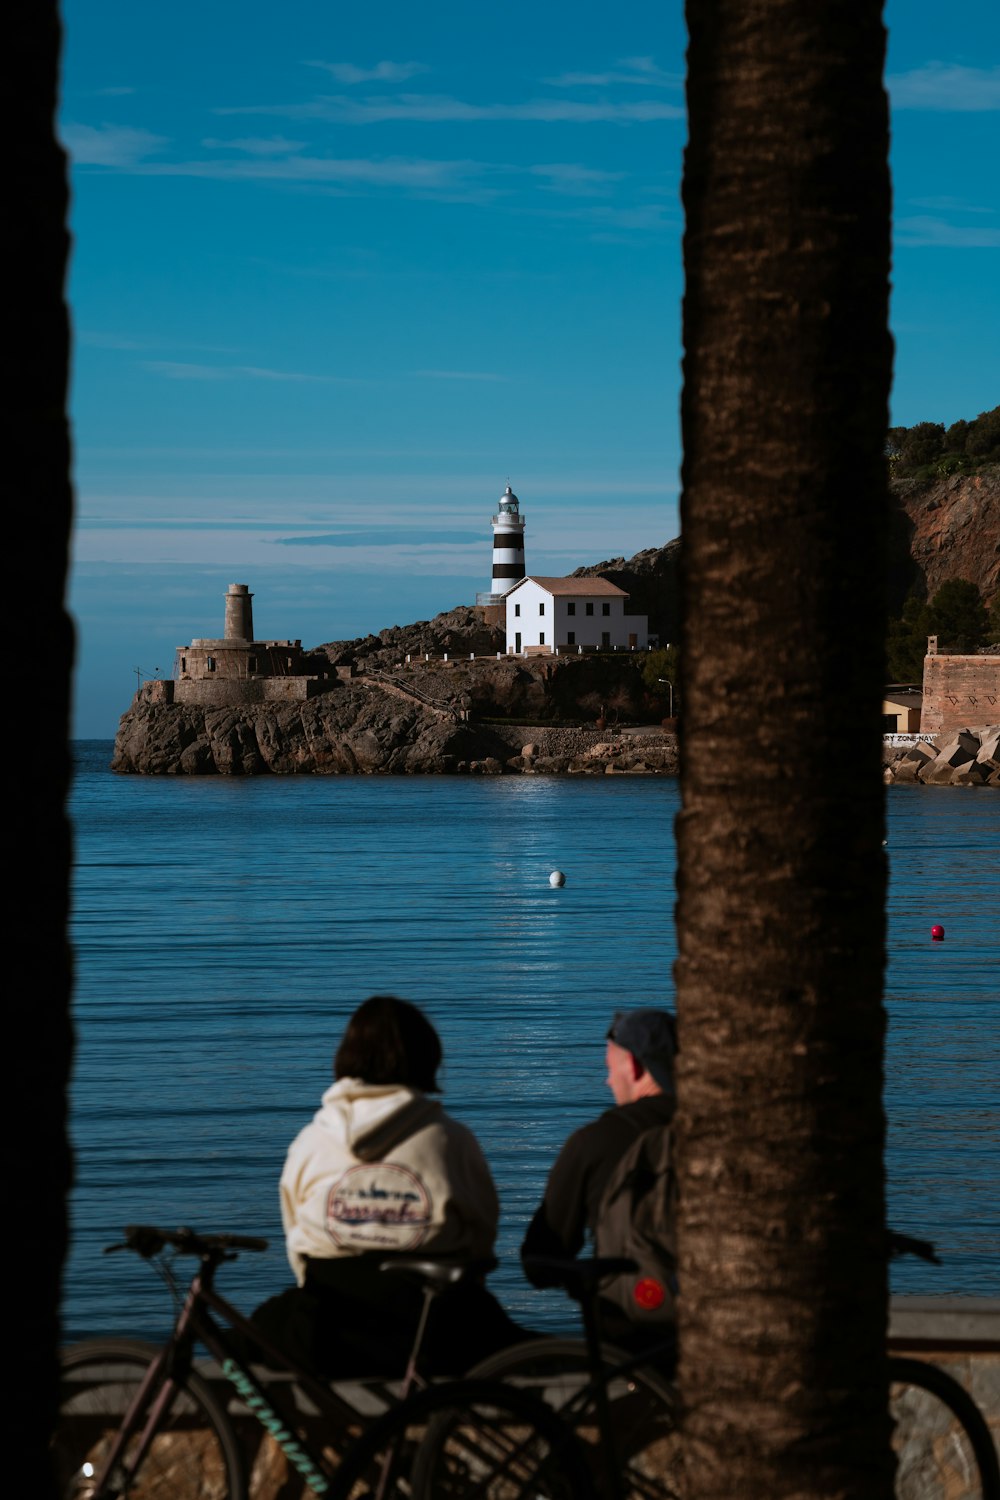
<point>670,685</point>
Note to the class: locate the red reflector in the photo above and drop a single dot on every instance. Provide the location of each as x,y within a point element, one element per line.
<point>649,1293</point>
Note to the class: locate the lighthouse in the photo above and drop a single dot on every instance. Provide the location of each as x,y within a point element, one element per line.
<point>508,543</point>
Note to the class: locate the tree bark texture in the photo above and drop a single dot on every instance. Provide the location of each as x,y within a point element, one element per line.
<point>38,513</point>
<point>781,869</point>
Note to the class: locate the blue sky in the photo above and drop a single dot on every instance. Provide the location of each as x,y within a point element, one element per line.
<point>339,272</point>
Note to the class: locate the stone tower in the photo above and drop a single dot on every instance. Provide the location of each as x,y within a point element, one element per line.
<point>239,613</point>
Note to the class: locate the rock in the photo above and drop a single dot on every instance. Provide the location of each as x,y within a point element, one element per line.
<point>528,751</point>
<point>942,773</point>
<point>958,749</point>
<point>946,528</point>
<point>989,749</point>
<point>920,753</point>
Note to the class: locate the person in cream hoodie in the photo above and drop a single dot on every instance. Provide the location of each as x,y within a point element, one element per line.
<point>383,1171</point>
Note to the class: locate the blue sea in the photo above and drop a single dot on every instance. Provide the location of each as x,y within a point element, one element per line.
<point>226,928</point>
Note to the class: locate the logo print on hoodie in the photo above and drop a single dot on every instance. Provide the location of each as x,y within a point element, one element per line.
<point>378,1206</point>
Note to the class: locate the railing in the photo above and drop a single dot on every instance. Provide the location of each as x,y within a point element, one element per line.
<point>448,710</point>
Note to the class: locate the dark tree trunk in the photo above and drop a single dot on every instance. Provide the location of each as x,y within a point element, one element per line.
<point>36,466</point>
<point>781,875</point>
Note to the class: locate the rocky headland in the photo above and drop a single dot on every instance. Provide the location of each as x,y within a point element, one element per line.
<point>370,726</point>
<point>476,712</point>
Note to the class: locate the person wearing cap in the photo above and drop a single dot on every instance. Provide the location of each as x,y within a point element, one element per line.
<point>641,1045</point>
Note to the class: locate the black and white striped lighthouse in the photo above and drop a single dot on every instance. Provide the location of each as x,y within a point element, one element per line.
<point>508,543</point>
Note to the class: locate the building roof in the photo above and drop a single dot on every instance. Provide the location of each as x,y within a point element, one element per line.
<point>574,588</point>
<point>913,696</point>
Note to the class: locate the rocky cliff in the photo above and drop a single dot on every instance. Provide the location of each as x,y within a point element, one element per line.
<point>459,632</point>
<point>368,727</point>
<point>945,528</point>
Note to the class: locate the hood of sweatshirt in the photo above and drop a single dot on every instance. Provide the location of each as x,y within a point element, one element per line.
<point>352,1109</point>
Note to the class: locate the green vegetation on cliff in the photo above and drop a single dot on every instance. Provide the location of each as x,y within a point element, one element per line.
<point>929,450</point>
<point>956,615</point>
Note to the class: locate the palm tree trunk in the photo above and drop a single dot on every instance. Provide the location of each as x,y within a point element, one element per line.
<point>781,875</point>
<point>37,968</point>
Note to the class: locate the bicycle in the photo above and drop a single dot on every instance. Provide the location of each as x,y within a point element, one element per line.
<point>625,1412</point>
<point>140,1422</point>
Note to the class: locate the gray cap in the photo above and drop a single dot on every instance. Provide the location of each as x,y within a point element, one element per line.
<point>651,1037</point>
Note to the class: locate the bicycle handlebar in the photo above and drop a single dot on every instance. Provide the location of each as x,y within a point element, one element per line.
<point>146,1240</point>
<point>905,1244</point>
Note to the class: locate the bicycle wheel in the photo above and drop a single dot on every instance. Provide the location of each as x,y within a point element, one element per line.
<point>643,1410</point>
<point>943,1445</point>
<point>194,1454</point>
<point>465,1440</point>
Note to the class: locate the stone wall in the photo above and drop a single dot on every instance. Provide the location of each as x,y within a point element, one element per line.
<point>960,692</point>
<point>156,690</point>
<point>233,692</point>
<point>211,659</point>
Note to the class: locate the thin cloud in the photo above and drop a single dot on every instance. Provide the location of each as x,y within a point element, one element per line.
<point>628,70</point>
<point>459,375</point>
<point>568,177</point>
<point>383,72</point>
<point>116,92</point>
<point>443,180</point>
<point>340,109</point>
<point>924,230</point>
<point>274,145</point>
<point>412,173</point>
<point>387,537</point>
<point>97,340</point>
<point>950,205</point>
<point>109,145</point>
<point>176,370</point>
<point>946,86</point>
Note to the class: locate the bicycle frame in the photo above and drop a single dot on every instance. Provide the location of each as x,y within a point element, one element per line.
<point>195,1323</point>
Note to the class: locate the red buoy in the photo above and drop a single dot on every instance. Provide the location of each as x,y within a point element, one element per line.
<point>937,933</point>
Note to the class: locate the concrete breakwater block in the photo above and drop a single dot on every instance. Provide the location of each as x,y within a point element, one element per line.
<point>967,757</point>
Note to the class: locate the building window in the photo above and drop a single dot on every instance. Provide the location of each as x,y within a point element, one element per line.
<point>541,637</point>
<point>252,664</point>
<point>571,638</point>
<point>541,609</point>
<point>517,610</point>
<point>571,608</point>
<point>210,663</point>
<point>184,663</point>
<point>590,609</point>
<point>605,637</point>
<point>605,609</point>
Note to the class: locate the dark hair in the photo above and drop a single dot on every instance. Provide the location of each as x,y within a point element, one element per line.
<point>389,1041</point>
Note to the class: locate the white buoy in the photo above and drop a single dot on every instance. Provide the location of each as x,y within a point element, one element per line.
<point>557,878</point>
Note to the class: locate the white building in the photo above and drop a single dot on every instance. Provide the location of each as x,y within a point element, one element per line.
<point>569,614</point>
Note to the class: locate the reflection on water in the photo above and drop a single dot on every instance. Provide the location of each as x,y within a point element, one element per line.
<point>226,929</point>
